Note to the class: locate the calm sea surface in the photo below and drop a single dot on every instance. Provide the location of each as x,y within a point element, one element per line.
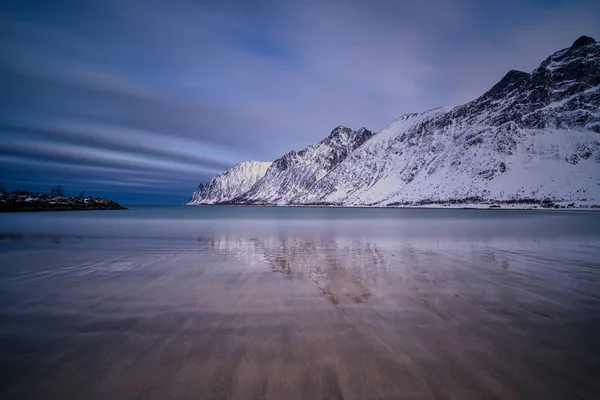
<point>300,303</point>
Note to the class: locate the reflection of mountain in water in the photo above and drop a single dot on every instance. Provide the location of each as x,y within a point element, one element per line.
<point>439,278</point>
<point>343,271</point>
<point>446,280</point>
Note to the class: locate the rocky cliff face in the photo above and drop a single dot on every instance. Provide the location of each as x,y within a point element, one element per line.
<point>531,137</point>
<point>297,172</point>
<point>230,184</point>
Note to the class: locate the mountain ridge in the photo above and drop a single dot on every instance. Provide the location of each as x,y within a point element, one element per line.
<point>229,184</point>
<point>296,172</point>
<point>531,137</point>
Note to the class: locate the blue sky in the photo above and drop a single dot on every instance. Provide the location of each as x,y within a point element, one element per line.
<point>141,101</point>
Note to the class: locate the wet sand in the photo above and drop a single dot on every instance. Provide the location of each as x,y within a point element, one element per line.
<point>286,316</point>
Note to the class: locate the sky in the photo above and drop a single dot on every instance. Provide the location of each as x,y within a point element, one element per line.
<point>140,101</point>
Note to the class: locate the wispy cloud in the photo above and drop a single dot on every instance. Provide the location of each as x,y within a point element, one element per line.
<point>161,95</point>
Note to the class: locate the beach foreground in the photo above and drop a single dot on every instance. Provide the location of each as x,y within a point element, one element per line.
<point>353,304</point>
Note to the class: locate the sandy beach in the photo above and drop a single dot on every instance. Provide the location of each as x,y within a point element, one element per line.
<point>289,315</point>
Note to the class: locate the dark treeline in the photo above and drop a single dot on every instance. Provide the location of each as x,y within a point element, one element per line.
<point>57,191</point>
<point>54,200</point>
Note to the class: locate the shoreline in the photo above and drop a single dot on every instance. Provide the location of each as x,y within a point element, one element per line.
<point>560,206</point>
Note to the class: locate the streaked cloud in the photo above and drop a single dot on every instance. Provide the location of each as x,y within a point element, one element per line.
<point>148,97</point>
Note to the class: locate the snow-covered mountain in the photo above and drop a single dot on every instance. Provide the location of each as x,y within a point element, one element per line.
<point>296,172</point>
<point>533,136</point>
<point>230,184</point>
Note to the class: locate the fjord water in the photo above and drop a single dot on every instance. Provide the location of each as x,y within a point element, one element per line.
<point>285,302</point>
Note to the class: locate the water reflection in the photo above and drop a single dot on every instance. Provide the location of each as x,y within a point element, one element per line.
<point>291,308</point>
<point>342,270</point>
<point>12,237</point>
<point>440,275</point>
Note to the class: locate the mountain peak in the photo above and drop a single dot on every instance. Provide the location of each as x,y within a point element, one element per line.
<point>583,41</point>
<point>341,128</point>
<point>515,74</point>
<point>511,80</point>
<point>339,131</point>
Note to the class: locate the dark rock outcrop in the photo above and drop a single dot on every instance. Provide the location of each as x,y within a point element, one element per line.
<point>41,202</point>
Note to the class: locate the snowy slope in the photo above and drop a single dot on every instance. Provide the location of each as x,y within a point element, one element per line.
<point>230,184</point>
<point>532,136</point>
<point>296,172</point>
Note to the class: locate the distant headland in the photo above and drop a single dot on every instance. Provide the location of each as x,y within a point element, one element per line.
<point>22,200</point>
